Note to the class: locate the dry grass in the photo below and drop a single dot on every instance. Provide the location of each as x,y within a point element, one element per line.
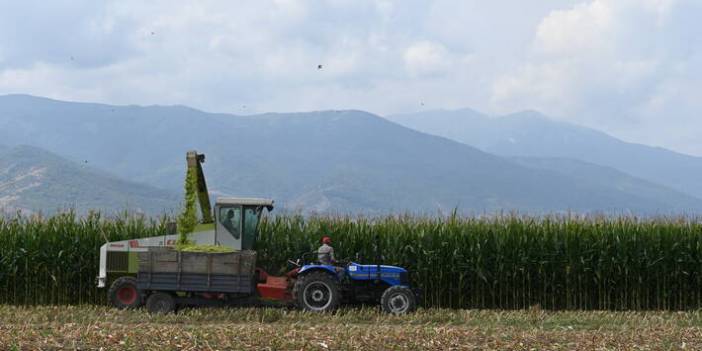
<point>91,327</point>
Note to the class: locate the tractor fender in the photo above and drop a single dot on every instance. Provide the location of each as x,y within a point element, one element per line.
<point>331,270</point>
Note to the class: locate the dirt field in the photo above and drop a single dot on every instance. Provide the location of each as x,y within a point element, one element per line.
<point>90,327</point>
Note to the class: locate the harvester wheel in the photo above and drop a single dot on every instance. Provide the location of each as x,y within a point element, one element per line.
<point>317,292</point>
<point>124,294</point>
<point>398,300</point>
<point>160,302</point>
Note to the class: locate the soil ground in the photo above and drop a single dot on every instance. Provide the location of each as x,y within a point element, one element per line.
<point>97,327</point>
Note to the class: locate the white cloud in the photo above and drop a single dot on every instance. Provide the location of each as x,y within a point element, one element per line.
<point>618,65</point>
<point>65,33</point>
<point>427,58</point>
<point>615,65</point>
<point>219,55</point>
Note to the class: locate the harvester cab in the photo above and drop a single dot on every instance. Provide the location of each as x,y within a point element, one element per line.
<point>236,221</point>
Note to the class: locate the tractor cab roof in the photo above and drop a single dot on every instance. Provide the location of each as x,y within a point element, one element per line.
<point>245,201</point>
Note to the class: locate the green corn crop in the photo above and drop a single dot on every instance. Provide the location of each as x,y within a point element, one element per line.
<point>509,262</point>
<point>516,262</point>
<point>55,260</point>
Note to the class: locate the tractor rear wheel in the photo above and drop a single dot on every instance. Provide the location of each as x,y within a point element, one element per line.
<point>124,294</point>
<point>160,302</point>
<point>398,300</point>
<point>317,292</point>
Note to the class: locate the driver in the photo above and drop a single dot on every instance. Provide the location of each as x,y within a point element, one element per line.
<point>325,253</point>
<point>229,224</point>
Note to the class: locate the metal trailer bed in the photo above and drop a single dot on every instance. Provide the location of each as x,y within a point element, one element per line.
<point>167,270</point>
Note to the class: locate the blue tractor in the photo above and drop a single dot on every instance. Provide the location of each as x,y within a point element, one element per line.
<point>321,288</point>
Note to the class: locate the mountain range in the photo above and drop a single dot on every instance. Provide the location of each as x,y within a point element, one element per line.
<point>314,162</point>
<point>33,179</point>
<point>531,134</point>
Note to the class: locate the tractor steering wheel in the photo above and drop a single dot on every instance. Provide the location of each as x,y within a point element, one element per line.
<point>307,257</point>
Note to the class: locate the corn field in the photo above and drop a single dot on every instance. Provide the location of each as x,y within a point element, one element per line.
<point>55,260</point>
<point>506,262</point>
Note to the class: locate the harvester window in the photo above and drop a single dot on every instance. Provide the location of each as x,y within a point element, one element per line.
<point>250,224</point>
<point>230,218</point>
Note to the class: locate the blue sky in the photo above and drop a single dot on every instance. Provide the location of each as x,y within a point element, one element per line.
<point>632,68</point>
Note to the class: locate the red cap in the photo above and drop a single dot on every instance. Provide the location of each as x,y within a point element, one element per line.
<point>326,240</point>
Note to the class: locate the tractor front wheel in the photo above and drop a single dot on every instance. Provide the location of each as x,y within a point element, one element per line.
<point>160,302</point>
<point>124,294</point>
<point>317,292</point>
<point>398,300</point>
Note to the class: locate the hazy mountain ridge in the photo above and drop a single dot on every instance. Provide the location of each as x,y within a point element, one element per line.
<point>531,134</point>
<point>325,161</point>
<point>610,178</point>
<point>33,179</point>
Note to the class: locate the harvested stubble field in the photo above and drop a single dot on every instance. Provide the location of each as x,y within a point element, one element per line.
<point>96,327</point>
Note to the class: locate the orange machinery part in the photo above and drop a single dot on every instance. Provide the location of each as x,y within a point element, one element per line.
<point>275,287</point>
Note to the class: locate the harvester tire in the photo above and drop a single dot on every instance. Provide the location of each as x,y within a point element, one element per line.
<point>398,300</point>
<point>317,292</point>
<point>160,302</point>
<point>123,293</point>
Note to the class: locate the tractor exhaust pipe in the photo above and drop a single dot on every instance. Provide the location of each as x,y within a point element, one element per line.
<point>377,257</point>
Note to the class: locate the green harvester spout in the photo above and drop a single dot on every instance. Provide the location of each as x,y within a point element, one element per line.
<point>195,162</point>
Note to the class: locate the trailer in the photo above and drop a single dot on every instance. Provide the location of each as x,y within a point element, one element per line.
<point>171,278</point>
